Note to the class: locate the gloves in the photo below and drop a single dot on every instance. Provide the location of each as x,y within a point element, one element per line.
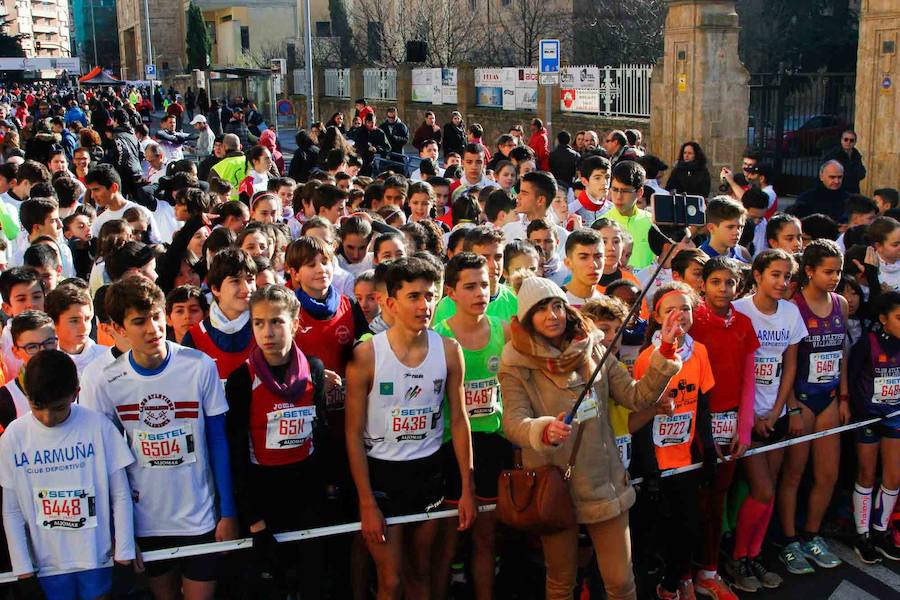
<point>29,589</point>
<point>265,546</point>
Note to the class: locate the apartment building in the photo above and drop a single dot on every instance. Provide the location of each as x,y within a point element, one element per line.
<point>46,24</point>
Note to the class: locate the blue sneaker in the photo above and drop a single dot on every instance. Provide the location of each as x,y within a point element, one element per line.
<point>817,551</point>
<point>793,559</point>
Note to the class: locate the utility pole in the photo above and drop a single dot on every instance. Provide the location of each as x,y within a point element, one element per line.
<point>94,34</point>
<point>149,58</point>
<point>310,93</point>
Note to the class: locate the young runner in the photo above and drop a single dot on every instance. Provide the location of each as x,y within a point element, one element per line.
<point>779,328</point>
<point>875,392</point>
<point>728,335</point>
<point>226,335</point>
<point>21,290</point>
<point>613,246</point>
<point>679,434</point>
<point>67,506</point>
<point>785,232</point>
<point>585,259</point>
<point>821,377</point>
<point>31,331</point>
<point>72,311</point>
<point>275,422</point>
<point>482,338</point>
<point>396,385</point>
<point>170,403</point>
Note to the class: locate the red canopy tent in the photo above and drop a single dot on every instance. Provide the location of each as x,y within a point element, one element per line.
<point>97,76</point>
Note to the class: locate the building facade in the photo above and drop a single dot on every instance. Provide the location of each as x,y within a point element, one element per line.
<point>45,23</point>
<point>96,34</point>
<point>166,24</point>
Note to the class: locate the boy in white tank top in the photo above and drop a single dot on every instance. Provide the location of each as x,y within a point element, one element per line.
<point>396,383</point>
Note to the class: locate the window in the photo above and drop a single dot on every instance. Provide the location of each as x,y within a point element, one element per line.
<point>323,28</point>
<point>211,29</point>
<point>245,38</point>
<point>473,5</point>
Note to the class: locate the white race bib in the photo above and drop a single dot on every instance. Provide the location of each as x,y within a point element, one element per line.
<point>824,367</point>
<point>290,427</point>
<point>65,508</point>
<point>886,390</point>
<point>623,443</point>
<point>724,426</point>
<point>482,397</point>
<point>767,369</point>
<point>169,447</point>
<point>672,430</point>
<point>410,424</point>
<point>588,409</point>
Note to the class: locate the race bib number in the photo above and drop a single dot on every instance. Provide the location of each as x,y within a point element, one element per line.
<point>482,397</point>
<point>824,367</point>
<point>290,427</point>
<point>170,447</point>
<point>768,369</point>
<point>334,397</point>
<point>724,427</point>
<point>628,356</point>
<point>672,430</point>
<point>65,508</point>
<point>410,424</point>
<point>623,443</point>
<point>588,409</point>
<point>886,390</point>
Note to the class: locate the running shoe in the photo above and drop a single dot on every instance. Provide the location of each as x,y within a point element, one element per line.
<point>686,590</point>
<point>663,594</point>
<point>865,549</point>
<point>714,587</point>
<point>767,578</point>
<point>884,544</point>
<point>794,561</point>
<point>817,551</point>
<point>742,576</point>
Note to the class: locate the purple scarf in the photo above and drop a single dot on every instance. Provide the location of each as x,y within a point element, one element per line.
<point>295,377</point>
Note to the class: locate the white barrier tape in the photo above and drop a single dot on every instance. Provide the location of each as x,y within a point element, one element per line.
<point>309,534</point>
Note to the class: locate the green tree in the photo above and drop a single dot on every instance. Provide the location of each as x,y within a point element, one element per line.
<point>198,43</point>
<point>340,28</point>
<point>10,45</point>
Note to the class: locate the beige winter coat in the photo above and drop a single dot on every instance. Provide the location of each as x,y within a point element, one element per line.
<point>599,485</point>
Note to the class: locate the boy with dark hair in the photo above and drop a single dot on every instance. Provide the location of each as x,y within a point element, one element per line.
<point>725,220</point>
<point>170,404</point>
<point>687,266</point>
<point>44,259</point>
<point>818,226</point>
<point>395,426</point>
<point>626,187</point>
<point>68,524</point>
<point>105,186</point>
<point>592,200</point>
<point>186,306</point>
<point>68,191</point>
<point>756,204</point>
<point>488,242</point>
<point>886,199</point>
<point>355,235</point>
<point>72,312</point>
<point>226,335</point>
<point>21,289</point>
<point>26,176</point>
<point>482,338</point>
<point>40,217</point>
<point>500,208</point>
<point>283,187</point>
<point>31,331</point>
<point>584,258</point>
<point>474,177</point>
<point>536,192</point>
<point>396,189</point>
<point>106,334</point>
<point>542,234</point>
<point>330,202</point>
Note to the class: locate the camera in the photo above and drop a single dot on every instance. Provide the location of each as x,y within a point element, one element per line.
<point>678,209</point>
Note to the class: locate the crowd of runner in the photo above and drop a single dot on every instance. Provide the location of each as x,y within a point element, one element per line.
<point>204,341</point>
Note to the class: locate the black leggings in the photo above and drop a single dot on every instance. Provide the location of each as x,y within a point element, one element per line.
<point>678,530</point>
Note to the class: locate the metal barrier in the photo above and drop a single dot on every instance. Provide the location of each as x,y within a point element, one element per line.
<point>337,83</point>
<point>317,532</point>
<point>380,84</point>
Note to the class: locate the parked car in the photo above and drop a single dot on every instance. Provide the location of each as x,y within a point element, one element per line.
<point>815,135</point>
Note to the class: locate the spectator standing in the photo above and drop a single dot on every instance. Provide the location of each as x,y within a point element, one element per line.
<point>396,131</point>
<point>202,101</point>
<point>238,127</point>
<point>205,137</point>
<point>170,139</point>
<point>370,142</point>
<point>305,157</point>
<point>454,134</point>
<point>363,109</point>
<point>124,153</point>
<point>690,175</point>
<point>616,144</point>
<point>176,109</point>
<point>851,160</point>
<point>827,197</point>
<point>563,161</point>
<point>190,102</point>
<point>428,130</point>
<point>539,143</point>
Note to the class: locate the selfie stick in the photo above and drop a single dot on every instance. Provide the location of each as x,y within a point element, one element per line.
<point>634,309</point>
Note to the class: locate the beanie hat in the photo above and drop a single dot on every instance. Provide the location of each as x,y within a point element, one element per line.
<point>535,289</point>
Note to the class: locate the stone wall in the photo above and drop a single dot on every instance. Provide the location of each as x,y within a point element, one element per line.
<point>494,120</point>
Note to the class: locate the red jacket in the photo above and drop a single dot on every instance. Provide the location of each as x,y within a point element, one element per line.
<point>540,145</point>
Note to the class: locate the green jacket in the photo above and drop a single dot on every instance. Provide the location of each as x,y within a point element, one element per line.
<point>232,169</point>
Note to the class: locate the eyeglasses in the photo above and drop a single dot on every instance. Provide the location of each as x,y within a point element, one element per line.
<point>50,343</point>
<point>851,140</point>
<point>622,191</point>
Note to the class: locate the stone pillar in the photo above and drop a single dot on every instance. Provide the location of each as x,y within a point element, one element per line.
<point>700,89</point>
<point>465,91</point>
<point>404,90</point>
<point>357,84</point>
<point>877,120</point>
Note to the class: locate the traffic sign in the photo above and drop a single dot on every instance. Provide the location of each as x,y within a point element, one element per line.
<point>150,70</point>
<point>549,56</point>
<point>549,78</point>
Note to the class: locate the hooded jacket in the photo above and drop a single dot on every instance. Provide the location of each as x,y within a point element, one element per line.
<point>125,155</point>
<point>268,140</point>
<point>689,178</point>
<point>599,485</point>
